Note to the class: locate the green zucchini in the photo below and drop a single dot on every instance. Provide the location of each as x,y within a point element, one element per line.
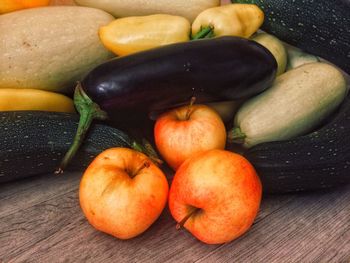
<point>296,103</point>
<point>34,142</point>
<point>321,27</point>
<point>318,160</point>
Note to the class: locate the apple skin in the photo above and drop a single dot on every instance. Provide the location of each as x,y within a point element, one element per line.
<point>178,138</point>
<point>226,189</point>
<point>117,204</point>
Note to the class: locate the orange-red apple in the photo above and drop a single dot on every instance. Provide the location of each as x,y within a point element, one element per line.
<point>122,192</point>
<point>216,196</point>
<point>186,131</point>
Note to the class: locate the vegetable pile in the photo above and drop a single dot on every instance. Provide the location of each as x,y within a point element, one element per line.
<point>131,64</point>
<point>319,27</point>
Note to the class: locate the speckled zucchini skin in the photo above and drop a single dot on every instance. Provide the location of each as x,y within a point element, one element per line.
<point>34,143</point>
<point>319,27</point>
<point>315,161</point>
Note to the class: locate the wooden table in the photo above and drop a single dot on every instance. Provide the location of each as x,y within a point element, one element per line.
<point>41,221</point>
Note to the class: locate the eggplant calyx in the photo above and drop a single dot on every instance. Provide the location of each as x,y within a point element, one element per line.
<point>235,135</point>
<point>205,32</point>
<point>88,111</point>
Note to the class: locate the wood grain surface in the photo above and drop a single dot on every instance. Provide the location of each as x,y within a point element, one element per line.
<point>41,221</point>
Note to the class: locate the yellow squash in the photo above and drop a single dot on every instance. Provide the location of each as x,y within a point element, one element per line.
<point>13,5</point>
<point>132,34</point>
<point>33,99</point>
<point>241,20</point>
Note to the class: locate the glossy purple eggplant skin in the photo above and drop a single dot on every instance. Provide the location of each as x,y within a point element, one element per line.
<point>219,69</point>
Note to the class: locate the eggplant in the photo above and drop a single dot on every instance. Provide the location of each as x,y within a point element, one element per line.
<point>34,142</point>
<point>130,87</point>
<point>221,69</point>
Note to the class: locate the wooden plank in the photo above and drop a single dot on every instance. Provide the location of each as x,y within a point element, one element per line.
<point>22,230</point>
<point>44,229</point>
<point>299,232</point>
<point>18,195</point>
<point>338,249</point>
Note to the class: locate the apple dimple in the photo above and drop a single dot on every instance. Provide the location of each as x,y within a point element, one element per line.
<point>134,171</point>
<point>192,212</point>
<point>182,116</point>
<point>184,113</point>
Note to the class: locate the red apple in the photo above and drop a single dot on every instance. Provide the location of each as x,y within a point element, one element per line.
<point>122,192</point>
<point>216,196</point>
<point>186,131</point>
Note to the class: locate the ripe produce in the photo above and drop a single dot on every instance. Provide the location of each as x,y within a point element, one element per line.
<point>122,192</point>
<point>186,131</point>
<point>33,143</point>
<point>58,48</point>
<point>321,28</point>
<point>62,2</point>
<point>130,87</point>
<point>297,58</point>
<point>228,20</point>
<point>13,5</point>
<point>298,101</point>
<point>276,47</point>
<point>33,99</point>
<point>122,8</point>
<point>132,34</point>
<point>318,160</point>
<point>216,196</point>
<point>226,109</point>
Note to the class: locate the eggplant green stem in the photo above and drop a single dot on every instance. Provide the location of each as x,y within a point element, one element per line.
<point>88,111</point>
<point>236,136</point>
<point>205,32</point>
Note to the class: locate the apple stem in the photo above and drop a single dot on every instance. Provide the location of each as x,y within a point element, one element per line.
<point>145,164</point>
<point>189,110</point>
<point>180,224</point>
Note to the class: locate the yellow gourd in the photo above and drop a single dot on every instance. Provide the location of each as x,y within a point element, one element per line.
<point>35,100</point>
<point>241,20</point>
<point>13,5</point>
<point>132,34</point>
